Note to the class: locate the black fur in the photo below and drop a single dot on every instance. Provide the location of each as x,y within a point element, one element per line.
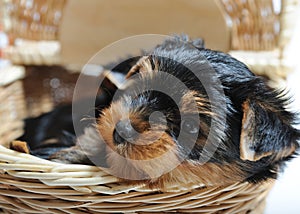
<point>272,124</point>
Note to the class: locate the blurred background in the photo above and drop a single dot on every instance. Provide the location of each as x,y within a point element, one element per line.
<point>45,43</point>
<point>284,197</point>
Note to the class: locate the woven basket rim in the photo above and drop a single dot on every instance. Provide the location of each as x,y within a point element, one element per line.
<point>51,173</point>
<point>78,176</point>
<point>22,192</point>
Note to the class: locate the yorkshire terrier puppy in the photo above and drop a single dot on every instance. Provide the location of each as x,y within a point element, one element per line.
<point>222,125</point>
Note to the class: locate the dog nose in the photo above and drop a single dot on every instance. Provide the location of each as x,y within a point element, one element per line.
<point>124,132</point>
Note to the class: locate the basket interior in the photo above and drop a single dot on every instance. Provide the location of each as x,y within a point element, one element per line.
<point>29,184</point>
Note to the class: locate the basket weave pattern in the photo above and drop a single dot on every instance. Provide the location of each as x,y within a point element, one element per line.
<point>35,20</point>
<point>260,25</point>
<point>12,111</point>
<point>53,86</point>
<point>260,33</point>
<point>32,185</point>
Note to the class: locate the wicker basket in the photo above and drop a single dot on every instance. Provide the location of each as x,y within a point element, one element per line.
<point>33,53</point>
<point>260,32</point>
<point>31,185</point>
<point>12,108</point>
<point>53,86</point>
<point>261,25</point>
<point>34,19</point>
<point>36,23</point>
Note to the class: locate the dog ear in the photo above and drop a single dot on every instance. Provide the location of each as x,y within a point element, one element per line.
<point>266,131</point>
<point>144,64</point>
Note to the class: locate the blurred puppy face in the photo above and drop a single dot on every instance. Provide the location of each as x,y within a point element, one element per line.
<point>153,133</point>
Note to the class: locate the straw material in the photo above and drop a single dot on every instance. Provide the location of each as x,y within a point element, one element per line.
<point>34,19</point>
<point>9,74</point>
<point>265,63</point>
<point>260,25</point>
<point>33,53</point>
<point>12,111</point>
<point>12,108</point>
<point>260,31</point>
<point>32,185</point>
<point>53,85</point>
<point>30,20</point>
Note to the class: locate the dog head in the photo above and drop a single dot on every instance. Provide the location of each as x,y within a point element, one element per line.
<point>192,115</point>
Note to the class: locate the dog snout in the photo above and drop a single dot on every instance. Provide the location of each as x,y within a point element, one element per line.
<point>124,132</point>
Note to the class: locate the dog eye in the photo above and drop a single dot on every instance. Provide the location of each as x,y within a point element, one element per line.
<point>190,126</point>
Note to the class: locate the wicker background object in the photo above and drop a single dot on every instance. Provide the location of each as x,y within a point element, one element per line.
<point>260,33</point>
<point>260,25</point>
<point>33,29</point>
<point>53,85</point>
<point>12,108</point>
<point>34,19</point>
<point>33,53</point>
<point>255,26</point>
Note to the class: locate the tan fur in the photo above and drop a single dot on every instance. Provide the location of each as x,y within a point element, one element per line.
<point>154,155</point>
<point>191,172</point>
<point>247,138</point>
<point>285,152</point>
<point>19,146</point>
<point>142,156</point>
<point>143,65</point>
<point>191,100</point>
<point>246,153</point>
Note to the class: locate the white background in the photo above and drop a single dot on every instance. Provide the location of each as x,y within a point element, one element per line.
<point>285,196</point>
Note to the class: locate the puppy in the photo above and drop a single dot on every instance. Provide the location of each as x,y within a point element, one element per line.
<point>187,114</point>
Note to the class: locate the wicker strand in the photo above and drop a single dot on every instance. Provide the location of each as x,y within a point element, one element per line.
<point>35,20</point>
<point>32,185</point>
<point>12,111</point>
